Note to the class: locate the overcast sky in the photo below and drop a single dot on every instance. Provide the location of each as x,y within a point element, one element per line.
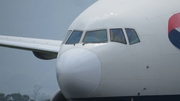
<point>20,70</point>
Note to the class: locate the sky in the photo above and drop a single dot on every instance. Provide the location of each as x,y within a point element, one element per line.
<point>20,70</point>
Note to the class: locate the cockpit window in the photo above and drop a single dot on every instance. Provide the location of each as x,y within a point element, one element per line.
<point>117,35</point>
<point>75,37</point>
<point>67,35</point>
<point>97,36</point>
<point>132,36</point>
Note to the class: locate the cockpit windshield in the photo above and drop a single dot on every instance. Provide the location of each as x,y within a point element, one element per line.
<point>67,35</point>
<point>101,36</point>
<point>97,36</point>
<point>117,35</point>
<point>75,37</point>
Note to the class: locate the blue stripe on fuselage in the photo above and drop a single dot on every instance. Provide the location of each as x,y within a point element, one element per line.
<point>174,37</point>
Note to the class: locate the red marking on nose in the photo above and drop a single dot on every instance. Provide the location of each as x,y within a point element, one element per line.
<point>174,22</point>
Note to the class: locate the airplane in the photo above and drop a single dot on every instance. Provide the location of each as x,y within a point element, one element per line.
<point>116,50</point>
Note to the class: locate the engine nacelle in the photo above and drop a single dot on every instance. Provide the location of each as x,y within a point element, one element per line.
<point>58,97</point>
<point>45,56</point>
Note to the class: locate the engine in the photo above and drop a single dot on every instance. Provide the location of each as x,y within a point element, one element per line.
<point>45,56</point>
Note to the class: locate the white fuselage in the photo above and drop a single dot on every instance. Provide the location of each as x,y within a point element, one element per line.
<point>110,69</point>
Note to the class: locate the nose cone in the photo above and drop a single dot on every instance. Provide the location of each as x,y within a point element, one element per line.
<point>78,72</point>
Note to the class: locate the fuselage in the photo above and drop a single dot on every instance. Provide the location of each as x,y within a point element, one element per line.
<point>146,64</point>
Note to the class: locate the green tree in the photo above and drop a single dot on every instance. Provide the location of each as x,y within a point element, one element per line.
<point>17,97</point>
<point>26,97</point>
<point>2,97</point>
<point>32,100</point>
<point>9,97</point>
<point>47,100</point>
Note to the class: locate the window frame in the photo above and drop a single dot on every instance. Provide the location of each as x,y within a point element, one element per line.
<point>123,34</point>
<point>93,31</point>
<point>68,33</point>
<point>70,36</point>
<point>128,37</point>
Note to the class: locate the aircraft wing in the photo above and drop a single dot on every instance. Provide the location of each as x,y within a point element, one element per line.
<point>32,44</point>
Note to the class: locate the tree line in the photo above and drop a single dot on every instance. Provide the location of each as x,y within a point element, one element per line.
<point>16,97</point>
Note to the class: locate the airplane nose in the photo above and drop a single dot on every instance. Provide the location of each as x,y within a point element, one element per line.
<point>78,72</point>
